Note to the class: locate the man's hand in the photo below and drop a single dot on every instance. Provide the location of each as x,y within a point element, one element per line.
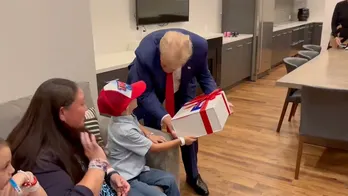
<point>231,107</point>
<point>120,185</point>
<point>157,139</point>
<point>167,121</point>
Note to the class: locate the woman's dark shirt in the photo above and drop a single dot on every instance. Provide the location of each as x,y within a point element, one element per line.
<point>55,180</point>
<point>340,17</point>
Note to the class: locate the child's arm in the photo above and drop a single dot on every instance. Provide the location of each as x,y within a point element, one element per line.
<point>22,178</point>
<point>154,138</point>
<point>166,145</point>
<point>159,147</point>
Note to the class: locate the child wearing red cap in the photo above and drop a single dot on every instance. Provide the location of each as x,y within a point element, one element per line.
<point>129,142</point>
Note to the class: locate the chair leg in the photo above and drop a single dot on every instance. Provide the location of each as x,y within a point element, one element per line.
<point>285,106</point>
<point>293,114</point>
<point>299,156</point>
<point>292,111</point>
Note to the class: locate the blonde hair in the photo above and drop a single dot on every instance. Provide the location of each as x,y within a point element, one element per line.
<point>175,49</point>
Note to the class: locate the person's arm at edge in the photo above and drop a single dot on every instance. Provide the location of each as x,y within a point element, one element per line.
<point>334,23</point>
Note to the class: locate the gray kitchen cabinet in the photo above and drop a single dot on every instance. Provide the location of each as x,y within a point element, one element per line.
<point>229,59</point>
<point>247,56</point>
<point>236,62</point>
<point>317,31</point>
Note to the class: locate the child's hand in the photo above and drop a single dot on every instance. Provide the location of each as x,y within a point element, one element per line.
<point>23,178</point>
<point>157,139</point>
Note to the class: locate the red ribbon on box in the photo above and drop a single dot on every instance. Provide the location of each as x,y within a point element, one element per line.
<point>206,98</point>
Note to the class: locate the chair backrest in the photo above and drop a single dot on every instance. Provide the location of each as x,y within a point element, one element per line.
<point>324,113</point>
<point>308,54</point>
<point>312,47</point>
<point>291,63</point>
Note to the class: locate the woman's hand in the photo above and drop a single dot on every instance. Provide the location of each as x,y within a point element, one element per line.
<point>120,185</point>
<point>91,147</point>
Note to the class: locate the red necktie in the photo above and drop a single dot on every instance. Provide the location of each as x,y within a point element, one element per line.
<point>170,95</point>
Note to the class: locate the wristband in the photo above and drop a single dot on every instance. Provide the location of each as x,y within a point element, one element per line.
<point>108,177</point>
<point>182,140</point>
<point>98,164</point>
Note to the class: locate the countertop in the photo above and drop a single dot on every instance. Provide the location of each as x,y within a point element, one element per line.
<point>119,60</point>
<point>330,68</point>
<point>288,25</point>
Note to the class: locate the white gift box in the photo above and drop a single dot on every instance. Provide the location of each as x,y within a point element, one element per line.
<point>203,115</point>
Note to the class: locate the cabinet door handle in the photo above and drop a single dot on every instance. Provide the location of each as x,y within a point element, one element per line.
<point>239,46</point>
<point>273,36</point>
<point>229,48</point>
<point>285,33</point>
<point>249,43</point>
<point>279,35</point>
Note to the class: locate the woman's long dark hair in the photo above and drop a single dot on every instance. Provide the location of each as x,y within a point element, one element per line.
<point>41,130</point>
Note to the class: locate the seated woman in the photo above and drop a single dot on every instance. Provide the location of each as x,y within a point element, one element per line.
<point>50,141</point>
<point>22,183</point>
<point>339,23</point>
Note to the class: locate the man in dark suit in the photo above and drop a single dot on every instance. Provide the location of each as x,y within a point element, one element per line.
<point>170,61</point>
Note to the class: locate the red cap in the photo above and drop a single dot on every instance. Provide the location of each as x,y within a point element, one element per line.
<point>115,97</point>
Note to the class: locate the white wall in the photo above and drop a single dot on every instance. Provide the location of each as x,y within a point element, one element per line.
<point>41,39</point>
<point>114,22</point>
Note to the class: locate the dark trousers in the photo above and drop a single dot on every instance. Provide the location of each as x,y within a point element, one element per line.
<point>188,153</point>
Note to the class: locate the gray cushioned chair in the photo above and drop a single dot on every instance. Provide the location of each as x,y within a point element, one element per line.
<point>12,111</point>
<point>312,47</point>
<point>323,119</point>
<point>308,54</point>
<point>293,95</point>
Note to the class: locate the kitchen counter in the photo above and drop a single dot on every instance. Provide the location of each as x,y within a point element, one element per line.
<point>119,60</point>
<point>227,40</point>
<point>288,25</point>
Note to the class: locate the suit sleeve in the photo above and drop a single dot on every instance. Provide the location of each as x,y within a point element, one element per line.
<point>204,77</point>
<point>56,182</point>
<point>148,100</point>
<point>334,22</point>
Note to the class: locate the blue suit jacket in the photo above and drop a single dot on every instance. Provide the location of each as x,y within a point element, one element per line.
<point>147,67</point>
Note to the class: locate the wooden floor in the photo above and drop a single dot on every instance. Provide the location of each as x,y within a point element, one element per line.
<point>250,158</point>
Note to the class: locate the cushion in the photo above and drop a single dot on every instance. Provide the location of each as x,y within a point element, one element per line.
<point>92,125</point>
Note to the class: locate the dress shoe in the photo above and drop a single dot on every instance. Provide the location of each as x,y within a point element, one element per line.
<point>199,186</point>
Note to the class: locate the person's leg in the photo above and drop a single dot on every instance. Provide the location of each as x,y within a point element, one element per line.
<point>162,179</point>
<point>189,158</point>
<point>139,188</point>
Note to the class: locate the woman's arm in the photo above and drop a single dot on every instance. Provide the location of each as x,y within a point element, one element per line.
<point>93,180</point>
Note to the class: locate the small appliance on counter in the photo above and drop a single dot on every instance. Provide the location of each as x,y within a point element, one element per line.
<point>231,34</point>
<point>303,14</point>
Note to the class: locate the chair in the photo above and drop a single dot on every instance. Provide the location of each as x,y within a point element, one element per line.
<point>323,119</point>
<point>293,95</point>
<point>312,47</point>
<point>308,54</point>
